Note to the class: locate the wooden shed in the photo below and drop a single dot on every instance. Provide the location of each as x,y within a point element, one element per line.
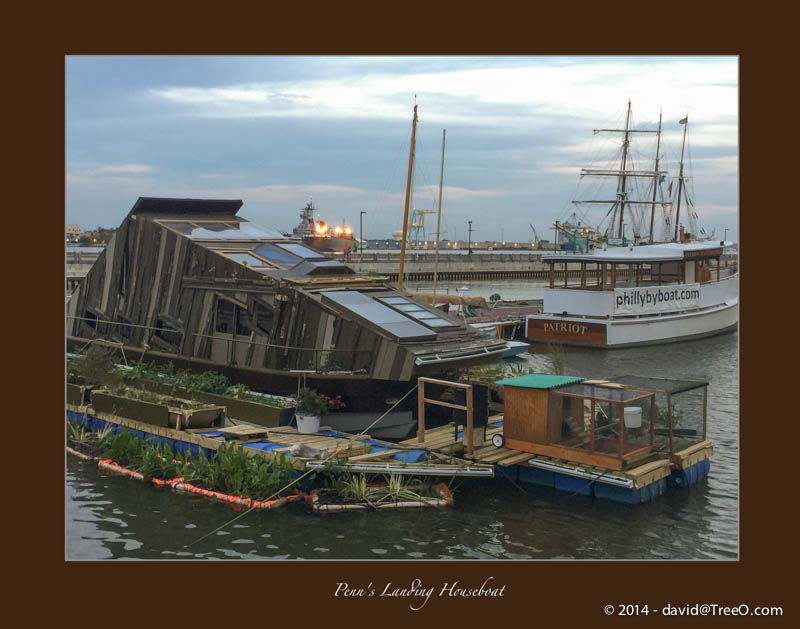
<point>562,417</point>
<point>527,415</point>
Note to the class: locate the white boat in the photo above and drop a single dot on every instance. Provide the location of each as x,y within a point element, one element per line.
<point>638,294</point>
<point>515,348</point>
<point>505,330</point>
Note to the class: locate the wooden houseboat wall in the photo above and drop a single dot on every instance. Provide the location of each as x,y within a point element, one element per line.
<point>157,291</point>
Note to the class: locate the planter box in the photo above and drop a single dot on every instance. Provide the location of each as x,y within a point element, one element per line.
<point>243,410</point>
<point>147,412</point>
<point>78,394</point>
<point>165,415</point>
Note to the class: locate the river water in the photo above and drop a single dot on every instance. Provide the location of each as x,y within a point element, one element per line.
<point>111,517</point>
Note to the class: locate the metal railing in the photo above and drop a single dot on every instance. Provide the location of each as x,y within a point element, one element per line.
<point>321,361</point>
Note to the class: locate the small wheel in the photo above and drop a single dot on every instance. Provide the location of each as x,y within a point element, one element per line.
<point>498,441</point>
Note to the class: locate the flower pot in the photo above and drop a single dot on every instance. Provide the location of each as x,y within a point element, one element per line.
<point>307,423</point>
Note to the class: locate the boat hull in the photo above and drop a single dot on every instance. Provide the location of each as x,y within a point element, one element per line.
<point>632,331</point>
<point>393,426</point>
<point>330,244</point>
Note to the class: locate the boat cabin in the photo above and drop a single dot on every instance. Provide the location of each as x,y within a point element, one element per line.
<point>642,265</point>
<point>565,417</point>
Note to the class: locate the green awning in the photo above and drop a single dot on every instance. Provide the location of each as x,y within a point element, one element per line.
<point>539,381</point>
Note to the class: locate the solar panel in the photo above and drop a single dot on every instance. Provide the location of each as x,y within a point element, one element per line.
<point>393,322</point>
<point>439,323</point>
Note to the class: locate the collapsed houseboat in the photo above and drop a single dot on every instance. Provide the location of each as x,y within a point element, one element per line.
<point>189,281</point>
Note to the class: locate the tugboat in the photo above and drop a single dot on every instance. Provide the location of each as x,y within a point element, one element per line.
<point>188,281</point>
<point>323,237</point>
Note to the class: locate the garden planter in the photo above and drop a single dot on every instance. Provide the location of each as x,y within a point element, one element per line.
<point>78,394</point>
<point>168,414</point>
<point>243,410</point>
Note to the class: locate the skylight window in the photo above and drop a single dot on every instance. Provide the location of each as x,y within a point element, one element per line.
<point>417,312</point>
<point>231,230</point>
<point>300,250</point>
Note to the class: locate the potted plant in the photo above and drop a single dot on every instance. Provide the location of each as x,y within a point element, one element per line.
<point>310,409</point>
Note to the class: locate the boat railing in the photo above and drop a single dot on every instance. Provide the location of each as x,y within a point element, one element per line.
<point>311,358</point>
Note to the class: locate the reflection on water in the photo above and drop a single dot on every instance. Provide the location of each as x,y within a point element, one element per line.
<point>111,517</point>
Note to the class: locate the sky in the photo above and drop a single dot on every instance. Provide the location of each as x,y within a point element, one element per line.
<point>277,132</point>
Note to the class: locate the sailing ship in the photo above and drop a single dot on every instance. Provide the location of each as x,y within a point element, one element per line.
<point>321,236</point>
<point>648,290</point>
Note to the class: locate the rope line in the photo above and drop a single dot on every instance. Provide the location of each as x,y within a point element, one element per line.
<point>306,473</point>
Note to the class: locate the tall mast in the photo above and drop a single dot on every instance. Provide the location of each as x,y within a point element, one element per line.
<point>685,123</point>
<point>621,192</point>
<point>655,179</point>
<point>438,221</point>
<point>622,174</point>
<point>408,197</point>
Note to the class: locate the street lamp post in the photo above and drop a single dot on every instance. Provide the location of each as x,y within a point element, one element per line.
<point>469,238</point>
<point>361,236</point>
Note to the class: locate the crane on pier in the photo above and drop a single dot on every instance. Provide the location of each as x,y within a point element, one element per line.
<point>534,237</point>
<point>417,225</point>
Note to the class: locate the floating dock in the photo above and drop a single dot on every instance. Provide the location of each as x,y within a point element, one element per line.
<point>636,484</point>
<point>359,453</point>
<point>492,450</point>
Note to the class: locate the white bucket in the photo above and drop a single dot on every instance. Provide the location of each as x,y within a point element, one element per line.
<point>633,417</point>
<point>307,424</point>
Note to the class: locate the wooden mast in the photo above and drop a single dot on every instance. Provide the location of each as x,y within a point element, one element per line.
<point>621,192</point>
<point>408,197</point>
<point>655,180</point>
<point>685,123</point>
<point>438,220</point>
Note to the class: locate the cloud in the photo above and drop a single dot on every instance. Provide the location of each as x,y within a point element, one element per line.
<point>94,175</point>
<point>707,89</point>
<point>454,193</point>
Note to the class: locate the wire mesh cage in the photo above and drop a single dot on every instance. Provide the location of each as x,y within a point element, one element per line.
<point>681,410</point>
<point>602,423</point>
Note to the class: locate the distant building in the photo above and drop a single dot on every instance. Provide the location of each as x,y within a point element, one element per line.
<point>73,232</point>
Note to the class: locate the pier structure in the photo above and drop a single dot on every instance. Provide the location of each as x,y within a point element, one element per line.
<point>483,265</point>
<point>419,265</point>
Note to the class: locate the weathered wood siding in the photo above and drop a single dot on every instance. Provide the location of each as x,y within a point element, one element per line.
<point>526,414</point>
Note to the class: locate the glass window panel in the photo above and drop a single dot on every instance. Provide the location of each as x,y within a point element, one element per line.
<point>394,300</point>
<point>300,250</point>
<point>180,226</point>
<point>408,330</point>
<point>276,255</point>
<point>245,258</point>
<point>409,308</point>
<point>424,314</point>
<point>223,231</point>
